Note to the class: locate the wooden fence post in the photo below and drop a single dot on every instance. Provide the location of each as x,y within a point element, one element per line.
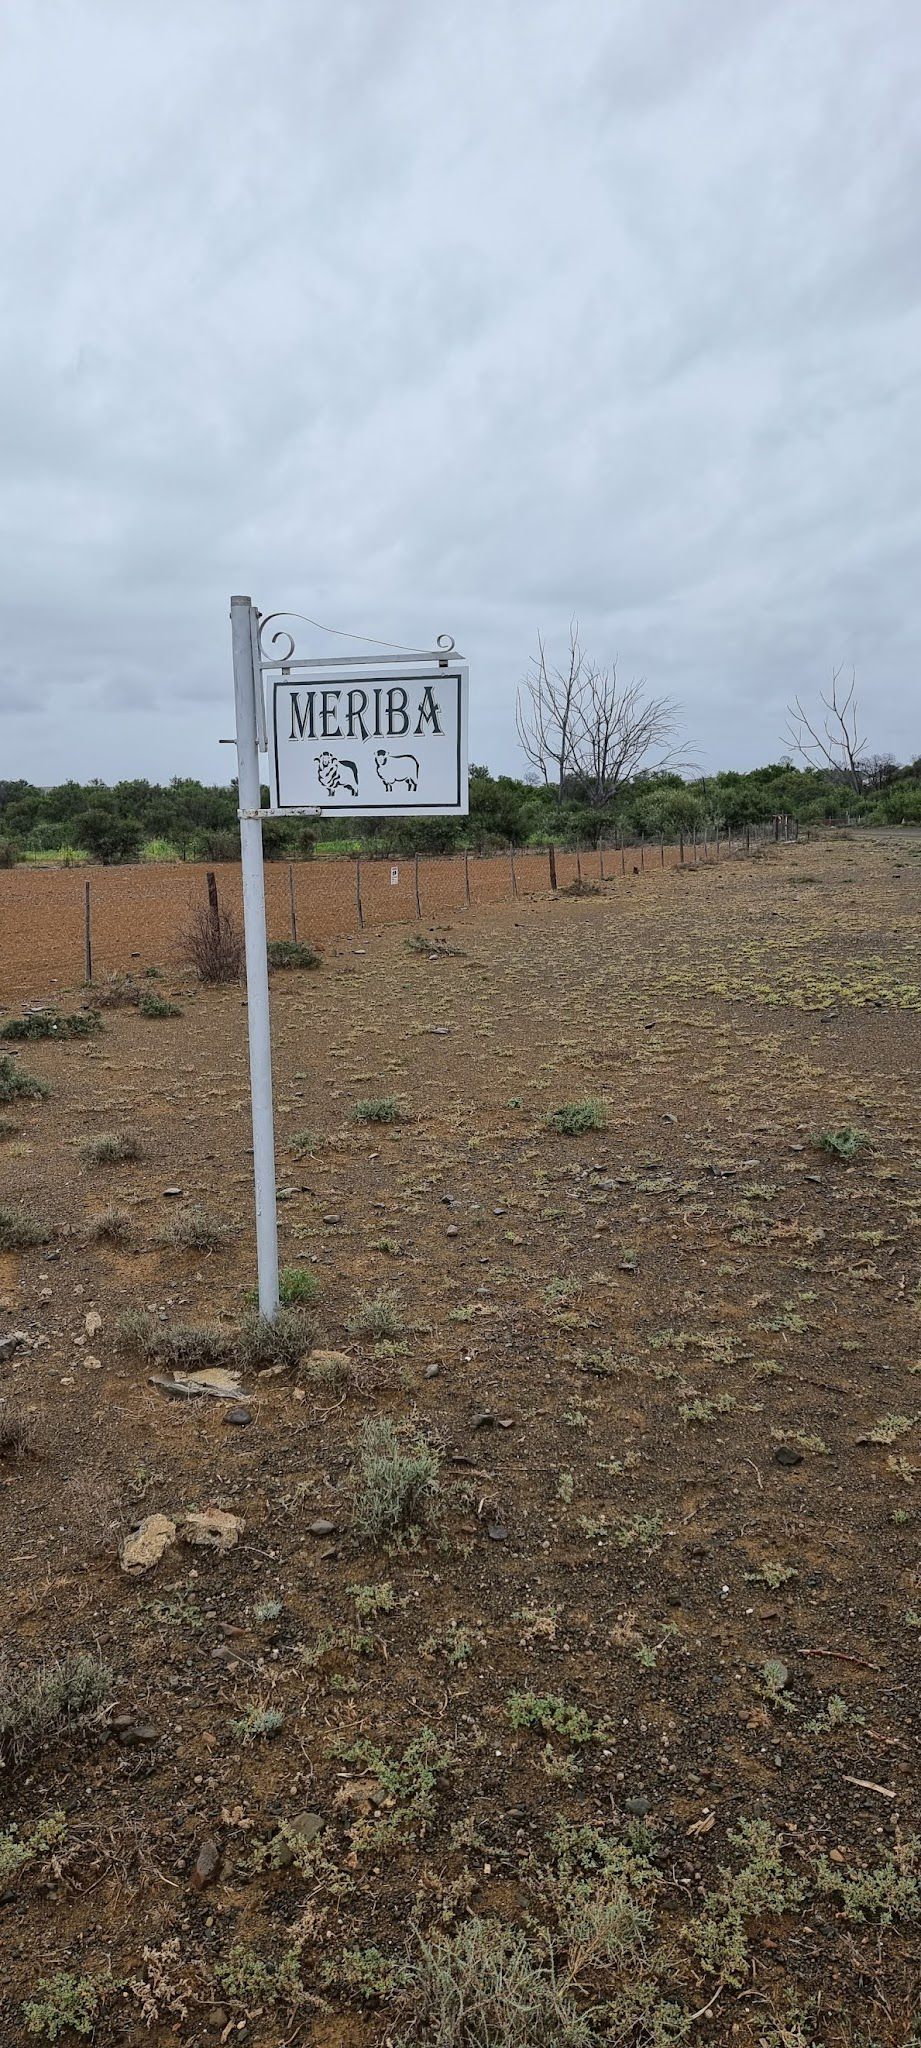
<point>681,847</point>
<point>662,847</point>
<point>418,903</point>
<point>642,853</point>
<point>466,877</point>
<point>552,852</point>
<point>578,864</point>
<point>623,856</point>
<point>511,862</point>
<point>87,934</point>
<point>601,861</point>
<point>361,914</point>
<point>293,901</point>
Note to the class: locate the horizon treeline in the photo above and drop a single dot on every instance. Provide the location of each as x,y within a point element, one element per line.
<point>189,820</point>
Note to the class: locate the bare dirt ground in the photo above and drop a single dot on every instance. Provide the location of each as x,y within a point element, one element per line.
<point>618,1742</point>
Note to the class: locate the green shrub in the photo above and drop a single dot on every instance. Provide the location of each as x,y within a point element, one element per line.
<point>14,1083</point>
<point>572,1118</point>
<point>50,1024</point>
<point>151,1005</point>
<point>395,1490</point>
<point>844,1143</point>
<point>65,2003</point>
<point>378,1109</point>
<point>292,953</point>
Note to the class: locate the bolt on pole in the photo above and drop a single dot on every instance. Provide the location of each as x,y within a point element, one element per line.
<point>246,682</point>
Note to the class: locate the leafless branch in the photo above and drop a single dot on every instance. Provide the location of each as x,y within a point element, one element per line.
<point>831,737</point>
<point>580,722</point>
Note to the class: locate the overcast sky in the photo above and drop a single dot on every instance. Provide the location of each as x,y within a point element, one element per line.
<point>457,315</point>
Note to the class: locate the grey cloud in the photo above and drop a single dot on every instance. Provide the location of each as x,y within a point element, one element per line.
<point>423,318</point>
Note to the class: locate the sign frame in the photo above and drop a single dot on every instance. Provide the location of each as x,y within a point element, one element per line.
<point>372,683</point>
<point>253,667</point>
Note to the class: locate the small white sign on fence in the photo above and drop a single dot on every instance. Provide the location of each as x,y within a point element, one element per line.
<point>351,738</point>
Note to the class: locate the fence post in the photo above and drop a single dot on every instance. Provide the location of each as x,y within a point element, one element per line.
<point>293,900</point>
<point>552,852</point>
<point>601,861</point>
<point>361,915</point>
<point>662,847</point>
<point>416,878</point>
<point>694,839</point>
<point>748,839</point>
<point>681,846</point>
<point>642,853</point>
<point>623,856</point>
<point>211,880</point>
<point>87,934</point>
<point>467,877</point>
<point>578,865</point>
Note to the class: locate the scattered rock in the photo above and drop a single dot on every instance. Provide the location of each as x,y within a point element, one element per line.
<point>214,1379</point>
<point>92,1322</point>
<point>214,1528</point>
<point>483,1421</point>
<point>174,1194</point>
<point>432,1372</point>
<point>638,1805</point>
<point>321,1527</point>
<point>238,1415</point>
<point>15,1340</point>
<point>787,1454</point>
<point>452,1230</point>
<point>144,1545</point>
<point>306,1826</point>
<point>496,1532</point>
<point>206,1864</point>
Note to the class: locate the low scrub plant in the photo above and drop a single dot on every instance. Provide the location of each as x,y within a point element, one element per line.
<point>844,1143</point>
<point>37,1705</point>
<point>111,1226</point>
<point>395,1489</point>
<point>18,1428</point>
<point>196,1230</point>
<point>180,1345</point>
<point>378,1109</point>
<point>292,953</point>
<point>19,1230</point>
<point>572,1118</point>
<point>212,943</point>
<point>376,1315</point>
<point>111,1148</point>
<point>14,1084</point>
<point>63,2004</point>
<point>283,1341</point>
<point>51,1024</point>
<point>152,1005</point>
<point>297,1287</point>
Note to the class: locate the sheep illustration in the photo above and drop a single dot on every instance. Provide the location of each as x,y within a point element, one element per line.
<point>393,768</point>
<point>333,774</point>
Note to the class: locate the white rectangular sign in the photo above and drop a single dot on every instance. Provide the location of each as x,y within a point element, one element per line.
<point>356,742</point>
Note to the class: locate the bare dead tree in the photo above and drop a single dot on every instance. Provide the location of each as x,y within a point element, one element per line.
<point>580,722</point>
<point>545,709</point>
<point>618,729</point>
<point>831,738</point>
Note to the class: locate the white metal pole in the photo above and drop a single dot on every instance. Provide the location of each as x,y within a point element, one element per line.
<point>245,684</point>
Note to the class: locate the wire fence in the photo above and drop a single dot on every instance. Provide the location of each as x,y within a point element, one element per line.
<point>61,927</point>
